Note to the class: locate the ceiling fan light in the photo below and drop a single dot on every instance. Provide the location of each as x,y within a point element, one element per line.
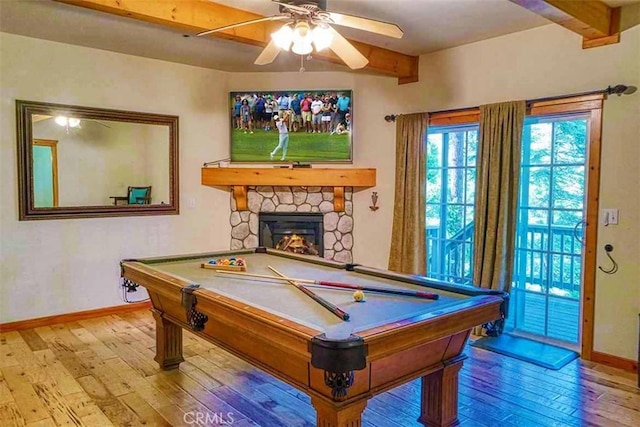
<point>302,33</point>
<point>302,48</point>
<point>61,120</point>
<point>282,38</point>
<point>322,37</point>
<point>73,122</point>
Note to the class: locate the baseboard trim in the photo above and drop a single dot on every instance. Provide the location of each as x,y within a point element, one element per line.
<point>614,361</point>
<point>72,317</point>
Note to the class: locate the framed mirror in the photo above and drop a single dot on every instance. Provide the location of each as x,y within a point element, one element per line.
<point>83,162</point>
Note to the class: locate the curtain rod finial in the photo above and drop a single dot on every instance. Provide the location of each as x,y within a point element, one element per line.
<point>390,118</point>
<point>621,90</point>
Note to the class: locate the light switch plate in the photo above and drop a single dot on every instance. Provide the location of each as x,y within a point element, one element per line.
<point>610,216</point>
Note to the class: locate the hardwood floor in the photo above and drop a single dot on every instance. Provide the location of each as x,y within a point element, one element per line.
<point>100,372</point>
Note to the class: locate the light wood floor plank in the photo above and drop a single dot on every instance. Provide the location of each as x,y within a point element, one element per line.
<point>5,393</point>
<point>64,381</point>
<point>29,404</point>
<point>57,406</point>
<point>10,416</point>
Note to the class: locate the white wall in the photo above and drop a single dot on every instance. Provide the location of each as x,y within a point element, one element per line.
<point>61,266</point>
<point>373,146</point>
<point>549,61</point>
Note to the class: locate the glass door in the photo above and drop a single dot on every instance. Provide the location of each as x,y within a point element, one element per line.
<point>547,276</point>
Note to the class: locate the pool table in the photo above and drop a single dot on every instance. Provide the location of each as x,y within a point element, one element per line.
<point>388,339</point>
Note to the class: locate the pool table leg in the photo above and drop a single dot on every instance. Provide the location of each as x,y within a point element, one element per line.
<point>330,414</point>
<point>168,342</point>
<point>439,406</point>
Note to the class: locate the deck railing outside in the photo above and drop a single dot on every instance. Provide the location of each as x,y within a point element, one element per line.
<point>546,275</point>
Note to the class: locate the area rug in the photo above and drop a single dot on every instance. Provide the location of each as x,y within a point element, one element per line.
<point>545,355</point>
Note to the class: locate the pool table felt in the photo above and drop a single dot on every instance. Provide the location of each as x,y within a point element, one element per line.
<point>285,300</point>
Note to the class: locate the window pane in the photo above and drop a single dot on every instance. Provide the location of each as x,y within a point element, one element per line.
<point>568,187</point>
<point>539,184</point>
<point>570,141</point>
<point>540,149</point>
<point>455,149</point>
<point>433,215</point>
<point>455,221</point>
<point>434,150</point>
<point>472,147</point>
<point>566,218</point>
<point>471,186</point>
<point>433,186</point>
<point>455,185</point>
<point>538,216</point>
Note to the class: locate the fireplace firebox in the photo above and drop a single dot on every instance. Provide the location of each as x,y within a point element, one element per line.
<point>292,231</point>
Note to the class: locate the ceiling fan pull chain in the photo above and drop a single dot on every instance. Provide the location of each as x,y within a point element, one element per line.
<point>302,70</point>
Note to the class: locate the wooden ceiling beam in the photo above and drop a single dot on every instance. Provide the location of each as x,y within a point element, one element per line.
<point>594,20</point>
<point>195,16</point>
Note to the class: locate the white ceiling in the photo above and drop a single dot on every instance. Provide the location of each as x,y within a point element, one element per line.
<point>429,25</point>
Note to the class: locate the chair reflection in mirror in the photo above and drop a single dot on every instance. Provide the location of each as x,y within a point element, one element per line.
<point>135,196</point>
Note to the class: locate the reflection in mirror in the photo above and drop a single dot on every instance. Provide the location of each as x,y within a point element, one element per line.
<point>79,161</point>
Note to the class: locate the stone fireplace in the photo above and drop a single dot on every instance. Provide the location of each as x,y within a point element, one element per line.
<point>337,227</point>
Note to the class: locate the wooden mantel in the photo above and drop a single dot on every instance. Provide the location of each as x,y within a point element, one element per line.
<point>338,178</point>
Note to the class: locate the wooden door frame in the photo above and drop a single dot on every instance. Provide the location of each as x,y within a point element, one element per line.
<point>592,106</point>
<point>53,144</point>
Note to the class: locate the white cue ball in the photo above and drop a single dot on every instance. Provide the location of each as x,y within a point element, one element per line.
<point>358,296</point>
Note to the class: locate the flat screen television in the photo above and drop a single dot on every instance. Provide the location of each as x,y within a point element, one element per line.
<point>305,126</point>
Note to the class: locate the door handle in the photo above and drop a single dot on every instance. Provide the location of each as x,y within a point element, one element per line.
<point>575,231</point>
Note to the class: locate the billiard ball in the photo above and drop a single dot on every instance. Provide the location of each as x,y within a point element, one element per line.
<point>358,296</point>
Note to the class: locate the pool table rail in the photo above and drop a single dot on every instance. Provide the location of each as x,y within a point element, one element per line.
<point>165,287</point>
<point>413,331</point>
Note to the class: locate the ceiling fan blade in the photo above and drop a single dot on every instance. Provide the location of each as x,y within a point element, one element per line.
<point>288,6</point>
<point>345,51</point>
<point>366,24</point>
<point>268,54</point>
<point>240,24</point>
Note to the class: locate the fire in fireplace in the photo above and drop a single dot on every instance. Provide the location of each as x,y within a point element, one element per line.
<point>293,232</point>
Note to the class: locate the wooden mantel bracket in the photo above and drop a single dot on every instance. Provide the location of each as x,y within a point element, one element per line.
<point>240,196</point>
<point>241,178</point>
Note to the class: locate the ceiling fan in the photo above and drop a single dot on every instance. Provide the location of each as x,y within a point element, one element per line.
<point>308,25</point>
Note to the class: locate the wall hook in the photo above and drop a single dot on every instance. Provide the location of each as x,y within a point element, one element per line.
<point>614,268</point>
<point>374,201</point>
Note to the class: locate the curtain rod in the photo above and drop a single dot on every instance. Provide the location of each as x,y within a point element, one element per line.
<point>610,90</point>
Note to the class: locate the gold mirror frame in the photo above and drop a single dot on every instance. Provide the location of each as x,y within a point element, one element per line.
<point>27,210</point>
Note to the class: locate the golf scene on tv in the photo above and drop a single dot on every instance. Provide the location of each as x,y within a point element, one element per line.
<point>291,126</point>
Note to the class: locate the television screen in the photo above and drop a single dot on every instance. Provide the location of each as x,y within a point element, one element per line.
<point>291,126</point>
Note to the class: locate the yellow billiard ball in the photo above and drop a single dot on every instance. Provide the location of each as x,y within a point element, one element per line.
<point>358,296</point>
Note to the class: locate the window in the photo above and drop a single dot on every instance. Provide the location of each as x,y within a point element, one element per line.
<point>451,180</point>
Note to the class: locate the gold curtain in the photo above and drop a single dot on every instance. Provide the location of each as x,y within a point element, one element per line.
<point>497,184</point>
<point>408,246</point>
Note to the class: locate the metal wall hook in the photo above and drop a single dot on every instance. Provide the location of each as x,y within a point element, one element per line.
<point>614,268</point>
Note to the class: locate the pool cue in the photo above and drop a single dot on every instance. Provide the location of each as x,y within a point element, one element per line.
<point>402,292</point>
<point>317,298</point>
